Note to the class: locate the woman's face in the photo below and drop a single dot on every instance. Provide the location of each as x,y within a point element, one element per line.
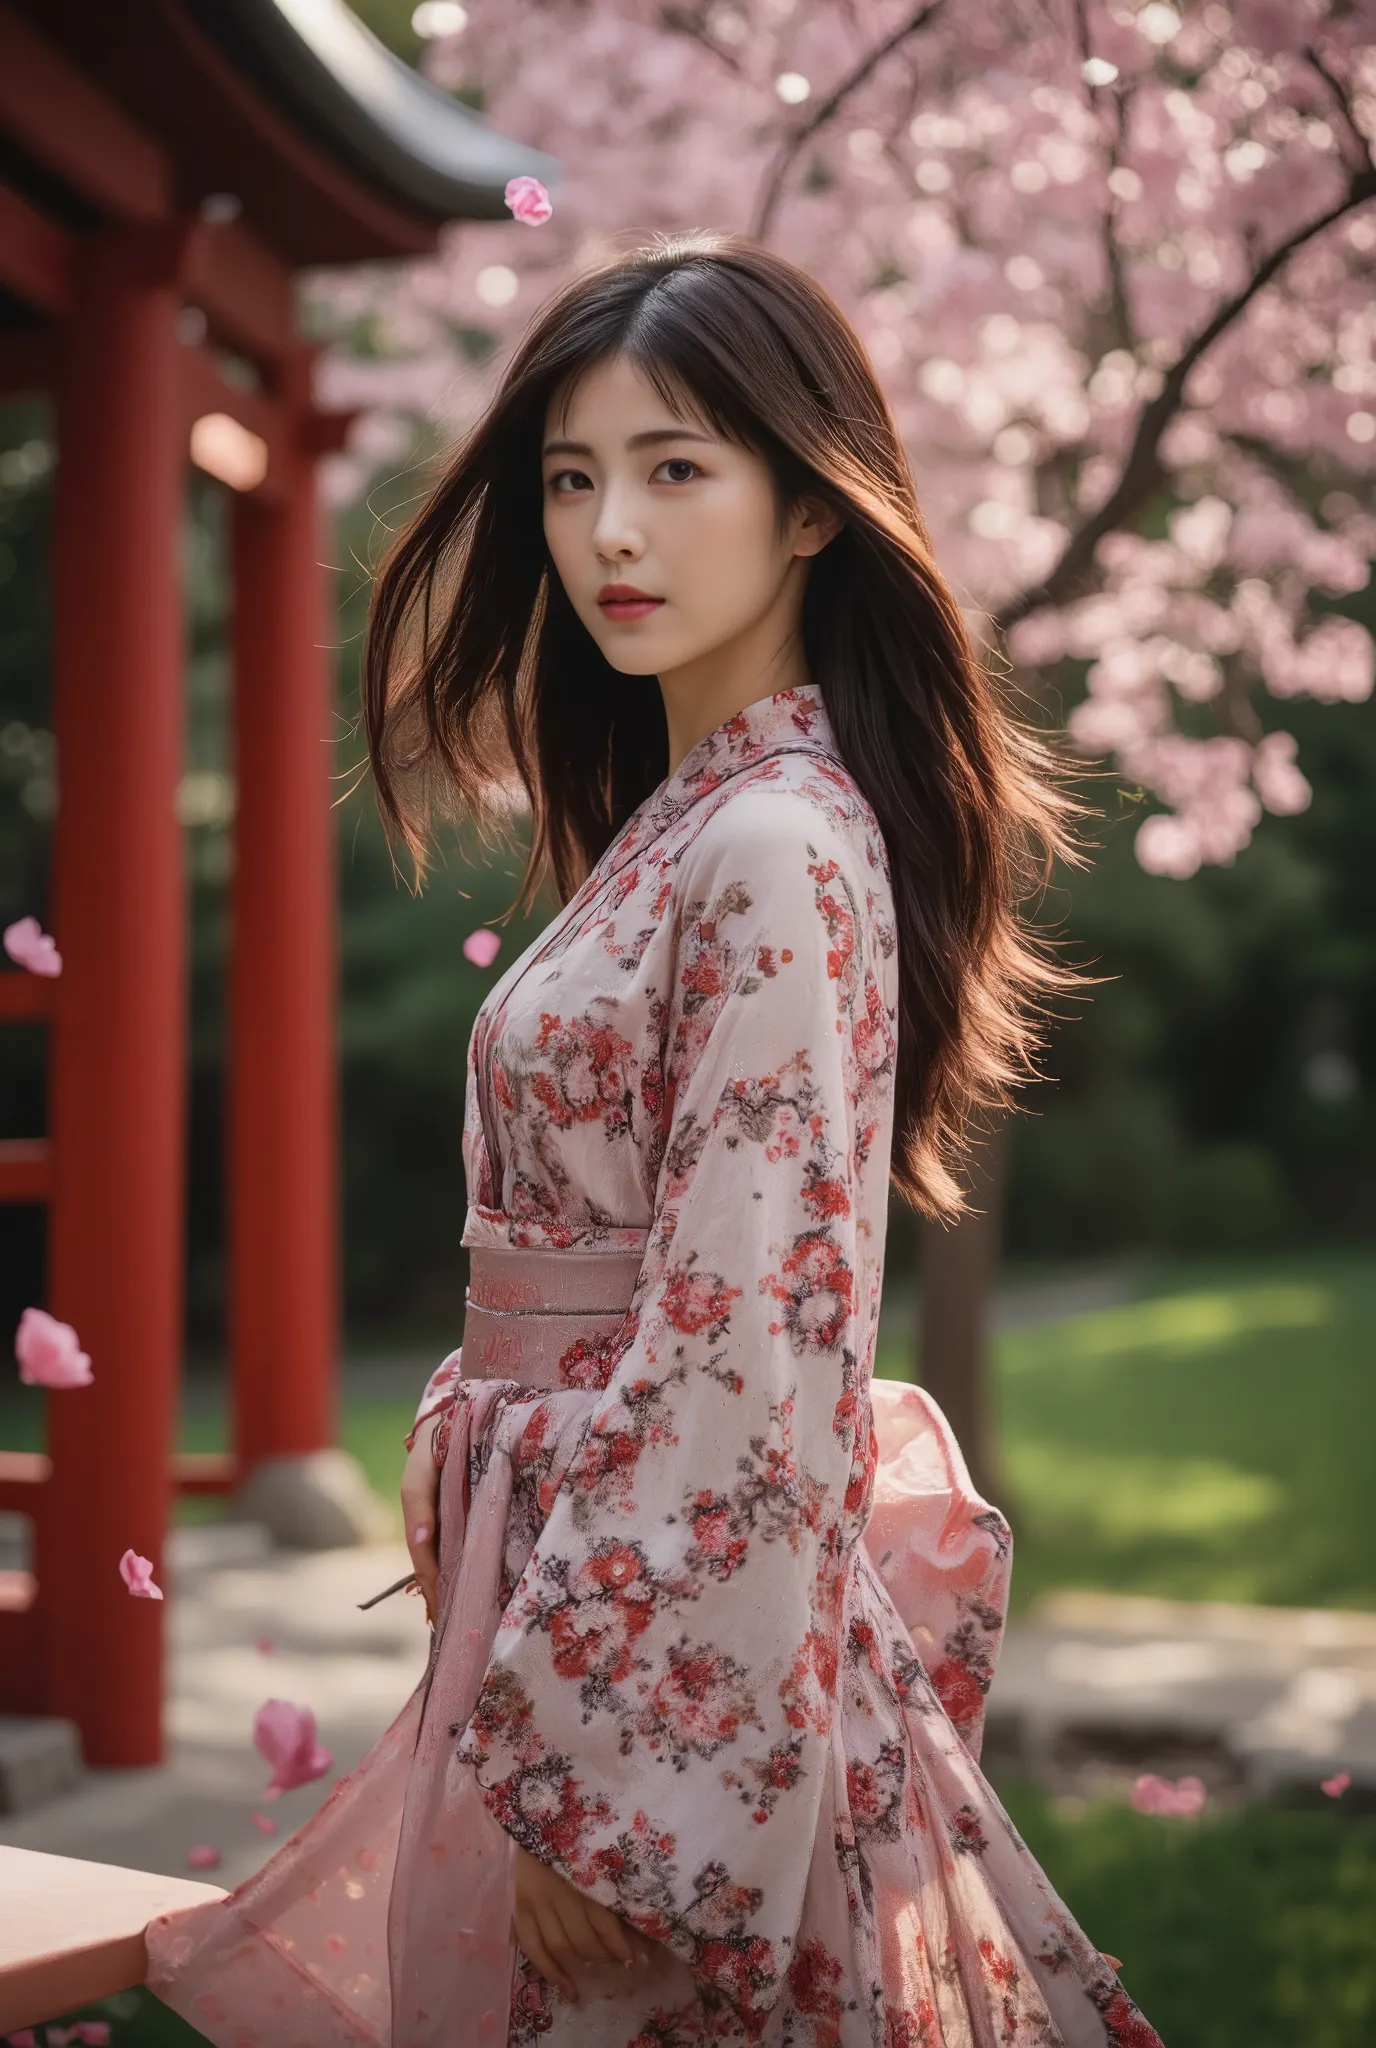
<point>640,499</point>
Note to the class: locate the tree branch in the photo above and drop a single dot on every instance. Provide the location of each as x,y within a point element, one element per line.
<point>788,155</point>
<point>1340,94</point>
<point>1142,471</point>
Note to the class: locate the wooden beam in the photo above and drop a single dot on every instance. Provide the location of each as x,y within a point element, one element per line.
<point>26,1170</point>
<point>54,114</point>
<point>204,1472</point>
<point>23,1477</point>
<point>243,289</point>
<point>35,255</point>
<point>73,1932</point>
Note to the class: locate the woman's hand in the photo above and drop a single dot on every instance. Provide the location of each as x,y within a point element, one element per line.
<point>559,1927</point>
<point>420,1500</point>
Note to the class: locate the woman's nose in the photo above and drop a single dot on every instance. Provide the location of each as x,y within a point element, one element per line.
<point>615,535</point>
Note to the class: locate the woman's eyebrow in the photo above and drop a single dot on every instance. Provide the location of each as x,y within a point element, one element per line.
<point>650,439</point>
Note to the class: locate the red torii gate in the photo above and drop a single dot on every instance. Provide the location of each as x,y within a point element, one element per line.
<point>121,120</point>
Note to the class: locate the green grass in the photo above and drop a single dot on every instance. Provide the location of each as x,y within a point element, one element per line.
<point>1250,1929</point>
<point>1212,1440</point>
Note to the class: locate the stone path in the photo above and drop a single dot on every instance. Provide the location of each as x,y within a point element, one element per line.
<point>228,1586</point>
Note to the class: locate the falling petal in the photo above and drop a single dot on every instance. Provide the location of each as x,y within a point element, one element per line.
<point>529,201</point>
<point>285,1737</point>
<point>137,1574</point>
<point>28,945</point>
<point>202,1857</point>
<point>264,1823</point>
<point>264,1645</point>
<point>482,947</point>
<point>49,1352</point>
<point>1336,1785</point>
<point>336,1944</point>
<point>1181,1799</point>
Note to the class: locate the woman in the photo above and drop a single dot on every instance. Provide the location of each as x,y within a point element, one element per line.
<point>694,1758</point>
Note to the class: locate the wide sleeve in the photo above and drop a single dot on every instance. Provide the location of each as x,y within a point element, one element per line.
<point>656,1718</point>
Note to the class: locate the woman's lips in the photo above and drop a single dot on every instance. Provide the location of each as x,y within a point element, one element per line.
<point>630,607</point>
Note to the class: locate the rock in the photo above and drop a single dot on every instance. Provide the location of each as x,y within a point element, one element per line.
<point>40,1759</point>
<point>319,1500</point>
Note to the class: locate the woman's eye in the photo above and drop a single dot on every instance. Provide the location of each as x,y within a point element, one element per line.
<point>565,480</point>
<point>680,462</point>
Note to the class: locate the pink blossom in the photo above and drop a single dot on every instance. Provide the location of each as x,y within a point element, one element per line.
<point>1007,193</point>
<point>265,1645</point>
<point>202,1857</point>
<point>482,947</point>
<point>49,1352</point>
<point>28,945</point>
<point>264,1823</point>
<point>529,201</point>
<point>1336,1785</point>
<point>285,1737</point>
<point>1279,782</point>
<point>1182,1797</point>
<point>137,1574</point>
<point>23,2039</point>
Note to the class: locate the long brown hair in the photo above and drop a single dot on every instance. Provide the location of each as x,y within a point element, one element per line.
<point>475,659</point>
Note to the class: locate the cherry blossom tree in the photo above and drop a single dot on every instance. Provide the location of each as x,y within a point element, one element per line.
<point>1113,263</point>
<point>1112,260</point>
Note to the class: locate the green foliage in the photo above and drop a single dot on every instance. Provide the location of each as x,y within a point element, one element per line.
<point>1248,1929</point>
<point>1217,1090</point>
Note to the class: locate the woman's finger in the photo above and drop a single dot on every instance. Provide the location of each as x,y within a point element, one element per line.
<point>581,1933</point>
<point>531,1938</point>
<point>612,1931</point>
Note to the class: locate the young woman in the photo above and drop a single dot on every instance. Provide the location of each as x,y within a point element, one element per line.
<point>694,1758</point>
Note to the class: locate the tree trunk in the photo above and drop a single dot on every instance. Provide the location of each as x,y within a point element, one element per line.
<point>959,1266</point>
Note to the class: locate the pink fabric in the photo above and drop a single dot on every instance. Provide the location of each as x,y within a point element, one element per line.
<point>718,1611</point>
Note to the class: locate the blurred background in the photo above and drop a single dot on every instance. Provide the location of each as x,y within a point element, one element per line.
<point>1159,1334</point>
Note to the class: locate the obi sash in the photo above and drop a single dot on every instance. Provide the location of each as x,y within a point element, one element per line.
<point>942,1553</point>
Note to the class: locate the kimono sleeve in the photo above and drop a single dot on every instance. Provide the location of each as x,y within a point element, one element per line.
<point>656,1720</point>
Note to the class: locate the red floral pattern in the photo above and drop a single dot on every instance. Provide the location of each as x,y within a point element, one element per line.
<point>704,1705</point>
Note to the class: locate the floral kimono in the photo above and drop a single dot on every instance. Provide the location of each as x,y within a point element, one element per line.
<point>718,1612</point>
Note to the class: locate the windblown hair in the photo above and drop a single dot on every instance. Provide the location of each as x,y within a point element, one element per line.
<point>476,659</point>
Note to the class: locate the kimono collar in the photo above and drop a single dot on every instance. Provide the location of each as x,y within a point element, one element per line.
<point>791,721</point>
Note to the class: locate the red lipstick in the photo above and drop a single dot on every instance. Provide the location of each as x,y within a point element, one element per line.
<point>624,601</point>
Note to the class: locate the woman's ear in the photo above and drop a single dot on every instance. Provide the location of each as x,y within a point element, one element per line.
<point>814,524</point>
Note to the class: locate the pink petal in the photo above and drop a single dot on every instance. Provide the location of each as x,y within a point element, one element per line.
<point>482,947</point>
<point>263,1823</point>
<point>529,201</point>
<point>284,1736</point>
<point>28,945</point>
<point>265,1645</point>
<point>137,1574</point>
<point>202,1857</point>
<point>49,1352</point>
<point>1183,1799</point>
<point>95,2033</point>
<point>336,1944</point>
<point>1336,1785</point>
<point>23,2039</point>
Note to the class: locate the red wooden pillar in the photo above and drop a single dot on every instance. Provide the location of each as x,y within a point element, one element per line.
<point>282,1116</point>
<point>117,1074</point>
